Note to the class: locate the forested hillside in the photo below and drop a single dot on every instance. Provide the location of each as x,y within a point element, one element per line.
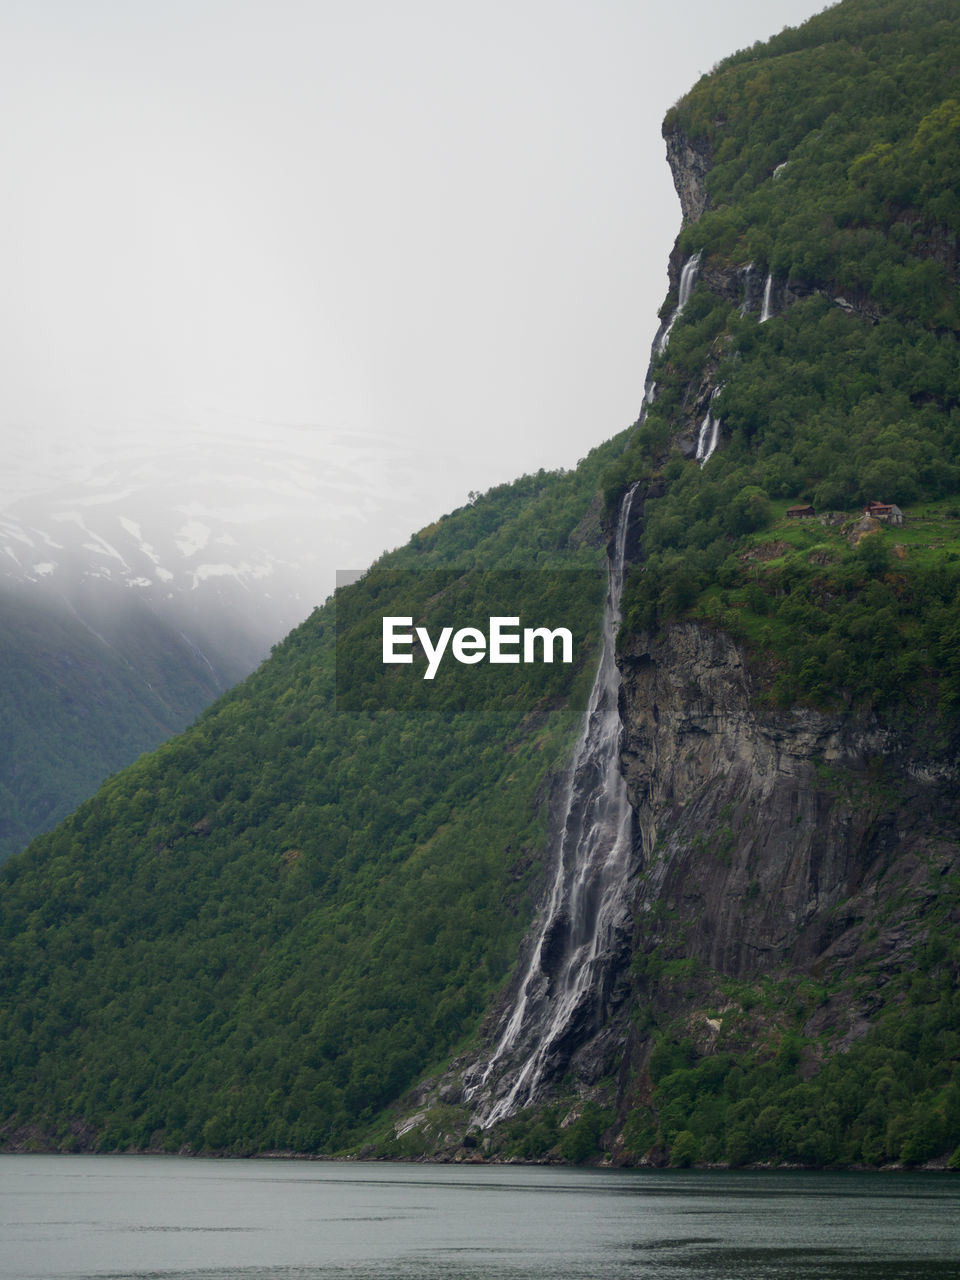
<point>82,693</point>
<point>122,617</point>
<point>297,926</point>
<point>259,935</point>
<point>797,951</point>
<point>842,193</point>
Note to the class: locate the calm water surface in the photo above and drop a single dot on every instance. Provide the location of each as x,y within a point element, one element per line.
<point>151,1216</point>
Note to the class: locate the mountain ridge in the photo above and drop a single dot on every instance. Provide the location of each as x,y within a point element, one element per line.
<point>299,929</point>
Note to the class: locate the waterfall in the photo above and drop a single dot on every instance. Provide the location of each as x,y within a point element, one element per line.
<point>688,278</point>
<point>709,435</point>
<point>587,904</point>
<point>767,309</point>
<point>745,280</point>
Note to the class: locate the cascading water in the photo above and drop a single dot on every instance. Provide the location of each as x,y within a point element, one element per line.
<point>688,279</point>
<point>562,988</point>
<point>563,995</point>
<point>709,435</point>
<point>767,310</point>
<point>745,278</point>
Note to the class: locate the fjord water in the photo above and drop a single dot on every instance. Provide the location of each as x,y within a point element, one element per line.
<point>153,1217</point>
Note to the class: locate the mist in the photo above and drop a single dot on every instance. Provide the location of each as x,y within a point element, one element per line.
<point>367,256</point>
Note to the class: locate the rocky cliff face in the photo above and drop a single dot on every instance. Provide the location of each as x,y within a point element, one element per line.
<point>788,861</point>
<point>769,836</point>
<point>785,849</point>
<point>689,165</point>
<point>744,286</point>
<point>789,849</point>
<point>788,858</point>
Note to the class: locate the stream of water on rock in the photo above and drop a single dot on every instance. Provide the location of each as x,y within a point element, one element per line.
<point>688,280</point>
<point>562,991</point>
<point>561,998</point>
<point>766,311</point>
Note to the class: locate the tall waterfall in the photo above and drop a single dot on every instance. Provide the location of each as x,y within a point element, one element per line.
<point>688,279</point>
<point>709,435</point>
<point>767,309</point>
<point>561,991</point>
<point>745,277</point>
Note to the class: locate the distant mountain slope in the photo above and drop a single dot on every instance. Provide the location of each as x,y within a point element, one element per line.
<point>83,691</point>
<point>165,574</point>
<point>225,549</point>
<point>306,923</point>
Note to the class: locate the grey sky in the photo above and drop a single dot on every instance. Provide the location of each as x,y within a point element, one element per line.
<point>445,223</point>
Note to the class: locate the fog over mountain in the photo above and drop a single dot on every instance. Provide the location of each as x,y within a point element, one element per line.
<point>237,538</point>
<point>412,251</point>
<point>283,284</point>
<point>136,592</point>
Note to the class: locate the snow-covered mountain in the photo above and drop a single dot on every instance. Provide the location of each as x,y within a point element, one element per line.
<point>138,583</point>
<point>234,542</point>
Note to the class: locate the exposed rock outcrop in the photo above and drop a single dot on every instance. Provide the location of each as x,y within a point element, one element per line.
<point>743,285</point>
<point>689,163</point>
<point>781,842</point>
<point>788,850</point>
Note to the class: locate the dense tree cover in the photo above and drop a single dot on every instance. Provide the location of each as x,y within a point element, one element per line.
<point>818,407</point>
<point>264,933</point>
<point>893,1096</point>
<point>260,935</point>
<point>80,698</point>
<point>861,107</point>
<point>851,392</point>
<point>821,404</point>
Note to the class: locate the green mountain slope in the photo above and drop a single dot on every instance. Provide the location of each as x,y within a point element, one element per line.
<point>259,935</point>
<point>797,960</point>
<point>852,392</point>
<point>81,696</point>
<point>278,930</point>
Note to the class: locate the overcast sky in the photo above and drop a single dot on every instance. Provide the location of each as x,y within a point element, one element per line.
<point>439,222</point>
